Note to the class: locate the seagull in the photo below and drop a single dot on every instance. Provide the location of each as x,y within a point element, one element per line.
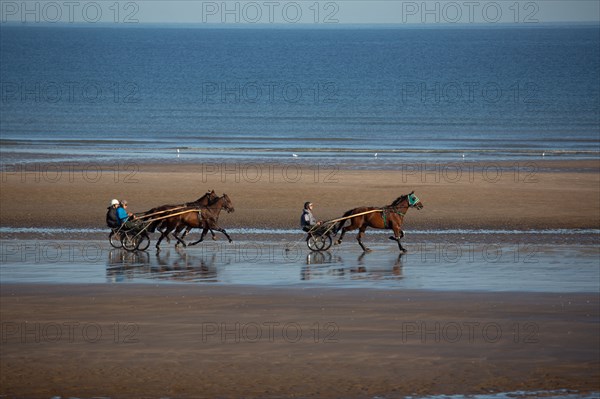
<point>463,156</point>
<point>375,155</point>
<point>178,153</point>
<point>295,155</point>
<point>543,154</point>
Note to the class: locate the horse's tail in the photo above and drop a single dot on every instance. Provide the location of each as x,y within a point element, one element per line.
<point>161,224</point>
<point>340,224</point>
<point>152,227</point>
<point>159,215</point>
<point>156,224</point>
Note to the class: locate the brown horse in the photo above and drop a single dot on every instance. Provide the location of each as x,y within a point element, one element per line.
<point>205,219</point>
<point>209,217</point>
<point>162,210</point>
<point>167,224</point>
<point>388,217</point>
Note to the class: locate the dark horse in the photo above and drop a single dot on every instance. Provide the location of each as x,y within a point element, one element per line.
<point>209,217</point>
<point>166,224</point>
<point>388,217</point>
<point>205,218</point>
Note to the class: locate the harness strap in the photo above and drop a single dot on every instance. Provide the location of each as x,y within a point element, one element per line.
<point>384,213</point>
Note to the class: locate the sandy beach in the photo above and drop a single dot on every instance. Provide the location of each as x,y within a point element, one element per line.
<point>525,195</point>
<point>488,113</point>
<point>129,341</point>
<point>192,341</point>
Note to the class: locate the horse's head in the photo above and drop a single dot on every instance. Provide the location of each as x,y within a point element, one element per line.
<point>212,196</point>
<point>414,201</point>
<point>227,204</point>
<point>408,201</point>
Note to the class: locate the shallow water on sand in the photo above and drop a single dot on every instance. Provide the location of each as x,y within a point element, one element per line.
<point>428,265</point>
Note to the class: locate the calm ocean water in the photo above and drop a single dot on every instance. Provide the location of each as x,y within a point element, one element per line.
<point>345,94</point>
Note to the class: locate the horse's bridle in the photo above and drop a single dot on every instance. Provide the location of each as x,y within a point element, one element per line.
<point>412,200</point>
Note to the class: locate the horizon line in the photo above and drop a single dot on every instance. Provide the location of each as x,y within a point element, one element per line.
<point>213,25</point>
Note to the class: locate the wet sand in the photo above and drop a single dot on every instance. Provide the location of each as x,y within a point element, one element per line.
<point>222,341</point>
<point>460,267</point>
<point>199,341</point>
<point>521,195</point>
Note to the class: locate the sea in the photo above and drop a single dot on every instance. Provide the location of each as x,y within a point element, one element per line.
<point>363,96</point>
<point>359,96</point>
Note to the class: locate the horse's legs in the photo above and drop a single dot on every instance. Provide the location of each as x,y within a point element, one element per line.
<point>217,228</point>
<point>162,229</point>
<point>185,233</point>
<point>179,240</point>
<point>398,234</point>
<point>339,240</point>
<point>350,227</point>
<point>212,233</point>
<point>204,231</point>
<point>359,236</point>
<point>400,247</point>
<point>163,234</point>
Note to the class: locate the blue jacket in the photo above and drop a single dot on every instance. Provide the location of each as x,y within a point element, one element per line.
<point>122,215</point>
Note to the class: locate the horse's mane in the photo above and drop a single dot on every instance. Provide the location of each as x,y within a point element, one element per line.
<point>398,200</point>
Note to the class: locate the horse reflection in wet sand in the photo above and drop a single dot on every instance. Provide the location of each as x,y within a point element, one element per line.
<point>388,217</point>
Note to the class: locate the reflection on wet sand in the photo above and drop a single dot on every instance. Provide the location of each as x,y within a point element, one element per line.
<point>182,266</point>
<point>325,264</point>
<point>185,266</point>
<point>472,266</point>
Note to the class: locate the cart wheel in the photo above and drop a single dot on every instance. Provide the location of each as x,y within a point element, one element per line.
<point>130,241</point>
<point>318,243</point>
<point>143,242</point>
<point>327,241</point>
<point>115,239</point>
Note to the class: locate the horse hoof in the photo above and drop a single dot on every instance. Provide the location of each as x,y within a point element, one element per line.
<point>368,250</point>
<point>338,242</point>
<point>230,241</point>
<point>393,238</point>
<point>404,250</point>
